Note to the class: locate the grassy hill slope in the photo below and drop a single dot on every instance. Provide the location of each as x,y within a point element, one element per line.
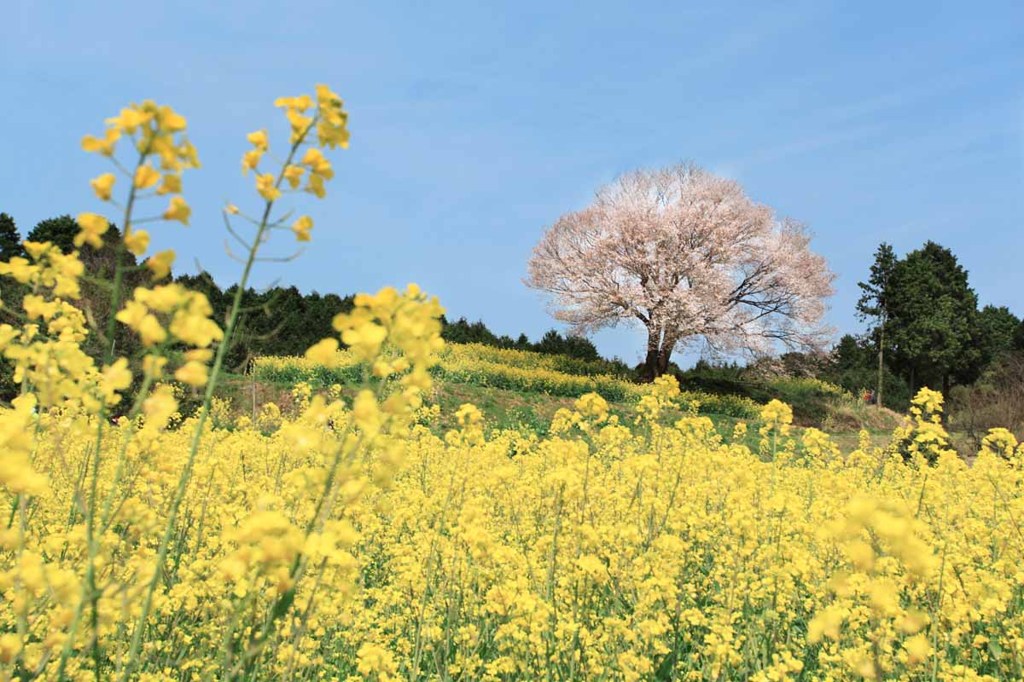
<point>523,390</point>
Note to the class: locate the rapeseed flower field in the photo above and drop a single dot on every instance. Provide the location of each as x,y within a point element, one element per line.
<point>490,367</point>
<point>353,539</point>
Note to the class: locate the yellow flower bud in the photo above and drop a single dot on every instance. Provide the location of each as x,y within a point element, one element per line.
<point>160,263</point>
<point>178,210</point>
<point>258,139</point>
<point>103,185</point>
<point>146,176</point>
<point>92,227</point>
<point>266,188</point>
<point>301,228</point>
<point>170,185</point>
<point>136,241</point>
<point>104,146</point>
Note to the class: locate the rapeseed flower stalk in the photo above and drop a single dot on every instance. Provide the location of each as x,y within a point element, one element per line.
<point>161,316</point>
<point>329,121</point>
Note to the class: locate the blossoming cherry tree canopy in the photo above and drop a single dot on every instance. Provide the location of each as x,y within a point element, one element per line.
<point>689,256</point>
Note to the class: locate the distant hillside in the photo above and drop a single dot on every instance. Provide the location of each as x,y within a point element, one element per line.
<point>525,387</point>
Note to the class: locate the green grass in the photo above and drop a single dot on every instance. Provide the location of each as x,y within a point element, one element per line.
<point>494,369</point>
<point>522,390</point>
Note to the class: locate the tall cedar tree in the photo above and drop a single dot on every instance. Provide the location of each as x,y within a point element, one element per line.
<point>874,304</point>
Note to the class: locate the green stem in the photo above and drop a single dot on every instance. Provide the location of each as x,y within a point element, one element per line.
<point>186,474</point>
<point>90,595</point>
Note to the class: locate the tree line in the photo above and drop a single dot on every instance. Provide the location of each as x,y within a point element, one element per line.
<point>925,326</point>
<point>279,320</point>
<point>924,323</point>
<point>693,260</point>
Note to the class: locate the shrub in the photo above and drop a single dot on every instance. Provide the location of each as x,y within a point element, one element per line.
<point>995,400</point>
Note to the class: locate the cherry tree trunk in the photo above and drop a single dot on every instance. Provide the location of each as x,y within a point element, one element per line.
<point>659,351</point>
<point>650,371</point>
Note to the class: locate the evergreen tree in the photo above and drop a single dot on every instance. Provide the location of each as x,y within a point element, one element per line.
<point>932,312</point>
<point>10,240</point>
<point>994,334</point>
<point>874,304</point>
<point>11,292</point>
<point>60,231</point>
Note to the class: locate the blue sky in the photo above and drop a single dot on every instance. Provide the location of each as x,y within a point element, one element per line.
<point>475,125</point>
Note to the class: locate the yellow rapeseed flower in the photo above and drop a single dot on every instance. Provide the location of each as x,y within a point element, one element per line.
<point>136,241</point>
<point>193,373</point>
<point>104,145</point>
<point>293,174</point>
<point>178,209</point>
<point>146,176</point>
<point>259,140</point>
<point>171,184</point>
<point>92,227</point>
<point>103,185</point>
<point>160,263</point>
<point>266,187</point>
<point>324,352</point>
<point>301,228</point>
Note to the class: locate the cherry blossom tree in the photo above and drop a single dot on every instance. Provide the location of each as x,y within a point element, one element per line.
<point>690,257</point>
